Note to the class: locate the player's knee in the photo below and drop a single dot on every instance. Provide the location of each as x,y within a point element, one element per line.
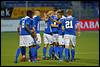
<point>54,43</point>
<point>73,47</point>
<point>66,46</point>
<point>46,45</point>
<point>22,46</point>
<point>38,42</point>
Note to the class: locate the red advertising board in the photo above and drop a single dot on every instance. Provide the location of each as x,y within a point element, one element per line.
<point>89,25</point>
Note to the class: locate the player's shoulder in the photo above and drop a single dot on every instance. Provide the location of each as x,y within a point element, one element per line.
<point>36,17</point>
<point>26,17</point>
<point>54,17</point>
<point>63,17</point>
<point>21,19</point>
<point>71,18</point>
<point>75,18</point>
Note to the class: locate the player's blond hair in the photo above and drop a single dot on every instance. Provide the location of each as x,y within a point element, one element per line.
<point>69,11</point>
<point>50,12</point>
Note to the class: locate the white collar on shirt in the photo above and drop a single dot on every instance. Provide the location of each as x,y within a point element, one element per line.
<point>63,16</point>
<point>34,16</point>
<point>27,17</point>
<point>69,16</point>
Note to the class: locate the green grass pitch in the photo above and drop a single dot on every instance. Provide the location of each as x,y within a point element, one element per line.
<point>87,51</point>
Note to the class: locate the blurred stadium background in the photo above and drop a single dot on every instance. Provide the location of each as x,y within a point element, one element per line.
<point>86,11</point>
<point>12,11</point>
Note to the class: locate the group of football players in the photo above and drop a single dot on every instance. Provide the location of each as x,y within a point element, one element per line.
<point>59,34</point>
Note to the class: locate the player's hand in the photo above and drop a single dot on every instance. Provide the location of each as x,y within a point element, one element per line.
<point>78,33</point>
<point>63,28</point>
<point>33,35</point>
<point>36,38</point>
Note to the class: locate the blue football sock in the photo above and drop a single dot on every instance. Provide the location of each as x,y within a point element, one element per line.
<point>33,50</point>
<point>66,53</point>
<point>36,53</point>
<point>17,54</point>
<point>56,50</point>
<point>37,46</point>
<point>23,51</point>
<point>44,52</point>
<point>60,52</point>
<point>50,50</point>
<point>30,53</point>
<point>69,54</point>
<point>63,50</point>
<point>73,53</point>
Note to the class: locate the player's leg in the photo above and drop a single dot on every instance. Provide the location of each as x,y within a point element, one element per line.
<point>23,52</point>
<point>55,42</point>
<point>67,42</point>
<point>61,43</point>
<point>51,46</point>
<point>17,55</point>
<point>38,41</point>
<point>32,48</point>
<point>73,40</point>
<point>50,51</point>
<point>45,46</point>
<point>23,47</point>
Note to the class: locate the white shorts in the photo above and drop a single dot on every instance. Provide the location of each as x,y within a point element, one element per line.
<point>26,40</point>
<point>61,40</point>
<point>47,38</point>
<point>39,39</point>
<point>55,38</point>
<point>70,39</point>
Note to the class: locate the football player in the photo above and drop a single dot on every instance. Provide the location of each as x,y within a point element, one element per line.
<point>69,27</point>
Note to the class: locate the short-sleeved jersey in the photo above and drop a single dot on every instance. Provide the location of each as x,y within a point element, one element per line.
<point>54,29</point>
<point>48,27</point>
<point>25,21</point>
<point>37,20</point>
<point>69,25</point>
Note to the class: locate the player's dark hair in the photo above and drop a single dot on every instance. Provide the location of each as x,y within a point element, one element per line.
<point>29,13</point>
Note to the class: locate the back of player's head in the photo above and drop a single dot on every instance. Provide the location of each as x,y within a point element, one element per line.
<point>61,12</point>
<point>55,9</point>
<point>69,11</point>
<point>29,13</point>
<point>51,12</point>
<point>37,12</point>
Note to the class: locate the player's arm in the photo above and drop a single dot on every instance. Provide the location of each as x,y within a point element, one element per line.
<point>54,25</point>
<point>78,28</point>
<point>63,28</point>
<point>18,29</point>
<point>55,21</point>
<point>27,28</point>
<point>32,32</point>
<point>62,25</point>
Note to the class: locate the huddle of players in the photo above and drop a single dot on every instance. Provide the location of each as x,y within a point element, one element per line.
<point>59,31</point>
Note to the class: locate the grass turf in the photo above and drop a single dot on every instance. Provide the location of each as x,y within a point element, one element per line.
<point>87,51</point>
